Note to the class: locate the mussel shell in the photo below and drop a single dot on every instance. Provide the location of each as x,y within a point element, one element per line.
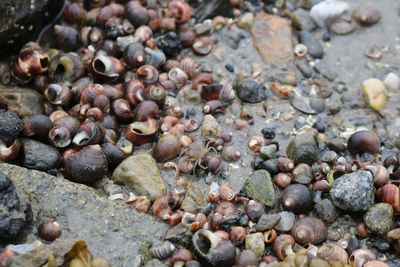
<point>87,165</point>
<point>166,148</point>
<point>309,230</point>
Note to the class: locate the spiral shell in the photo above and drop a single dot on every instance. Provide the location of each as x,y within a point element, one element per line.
<point>211,92</point>
<point>190,67</point>
<point>161,208</point>
<point>164,251</point>
<point>9,153</point>
<point>108,12</point>
<point>390,193</point>
<point>140,133</point>
<point>66,67</point>
<point>122,109</point>
<point>178,76</point>
<point>166,148</point>
<point>282,246</point>
<point>180,10</point>
<point>187,37</point>
<point>74,12</point>
<point>89,133</point>
<point>66,37</point>
<point>360,257</point>
<point>136,13</point>
<point>155,58</point>
<point>148,74</point>
<point>309,230</point>
<point>134,54</point>
<point>107,68</point>
<point>201,80</point>
<point>58,94</point>
<point>332,253</point>
<point>60,136</point>
<point>146,110</point>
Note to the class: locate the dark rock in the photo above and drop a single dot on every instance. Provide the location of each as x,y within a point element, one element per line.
<point>322,68</point>
<point>39,156</point>
<point>259,186</point>
<point>379,218</point>
<point>303,20</point>
<point>315,48</point>
<point>326,210</point>
<point>304,68</point>
<point>13,212</point>
<point>353,191</point>
<point>269,165</point>
<point>10,126</point>
<point>210,8</point>
<point>303,149</point>
<point>249,90</point>
<point>329,156</point>
<point>75,206</point>
<point>170,44</point>
<point>267,222</point>
<point>180,234</point>
<point>381,244</point>
<point>24,102</point>
<point>22,20</point>
<point>272,37</point>
<point>317,104</point>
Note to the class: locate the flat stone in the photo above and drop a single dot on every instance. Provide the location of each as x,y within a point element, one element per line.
<point>322,68</point>
<point>113,230</point>
<point>353,191</point>
<point>24,102</point>
<point>272,36</point>
<point>22,20</point>
<point>142,173</point>
<point>260,187</point>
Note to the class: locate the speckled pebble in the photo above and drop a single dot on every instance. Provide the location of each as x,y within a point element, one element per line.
<point>326,210</point>
<point>267,222</point>
<point>329,156</point>
<point>353,191</point>
<point>379,218</point>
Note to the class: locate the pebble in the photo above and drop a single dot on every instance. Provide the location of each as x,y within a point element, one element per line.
<point>328,11</point>
<point>342,27</point>
<point>353,191</point>
<point>375,92</point>
<point>24,102</point>
<point>322,68</point>
<point>180,234</point>
<point>304,68</point>
<point>379,218</point>
<point>142,173</point>
<point>315,48</point>
<point>381,244</point>
<point>317,104</point>
<point>392,81</point>
<point>259,186</point>
<point>286,222</point>
<point>210,126</point>
<point>10,126</point>
<point>303,19</point>
<point>39,156</point>
<point>267,222</point>
<point>13,212</point>
<point>326,210</point>
<point>303,149</point>
<point>255,243</point>
<point>329,156</point>
<point>302,103</point>
<point>246,21</point>
<point>268,152</point>
<point>230,67</point>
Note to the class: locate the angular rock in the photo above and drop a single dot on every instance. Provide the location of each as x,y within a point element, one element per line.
<point>249,90</point>
<point>303,149</point>
<point>39,156</point>
<point>22,20</point>
<point>315,48</point>
<point>353,191</point>
<point>272,36</point>
<point>142,173</point>
<point>24,102</point>
<point>326,210</point>
<point>267,222</point>
<point>379,218</point>
<point>260,187</point>
<point>10,126</point>
<point>13,212</point>
<point>84,214</point>
<point>210,126</point>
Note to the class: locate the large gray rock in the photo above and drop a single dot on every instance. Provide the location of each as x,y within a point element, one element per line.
<point>353,191</point>
<point>22,20</point>
<point>113,230</point>
<point>142,173</point>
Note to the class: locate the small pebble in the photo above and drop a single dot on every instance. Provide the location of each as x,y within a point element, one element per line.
<point>392,82</point>
<point>329,156</point>
<point>230,67</point>
<point>375,92</point>
<point>326,210</point>
<point>381,244</point>
<point>267,222</point>
<point>379,218</point>
<point>286,222</point>
<point>315,48</point>
<point>268,133</point>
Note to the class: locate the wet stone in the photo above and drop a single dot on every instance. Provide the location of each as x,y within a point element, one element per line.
<point>180,234</point>
<point>249,90</point>
<point>286,222</point>
<point>379,218</point>
<point>39,156</point>
<point>317,104</point>
<point>326,211</point>
<point>13,212</point>
<point>10,126</point>
<point>259,186</point>
<point>272,37</point>
<point>24,102</point>
<point>304,21</point>
<point>322,68</point>
<point>381,244</point>
<point>303,149</point>
<point>329,156</point>
<point>142,173</point>
<point>353,191</point>
<point>304,68</point>
<point>315,48</point>
<point>267,222</point>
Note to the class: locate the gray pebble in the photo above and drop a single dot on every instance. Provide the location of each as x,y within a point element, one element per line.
<point>315,48</point>
<point>379,218</point>
<point>322,68</point>
<point>286,222</point>
<point>329,156</point>
<point>326,210</point>
<point>317,104</point>
<point>267,222</point>
<point>304,68</point>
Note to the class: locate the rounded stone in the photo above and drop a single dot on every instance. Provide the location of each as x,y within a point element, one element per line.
<point>267,222</point>
<point>10,126</point>
<point>315,48</point>
<point>255,243</point>
<point>39,156</point>
<point>379,218</point>
<point>353,191</point>
<point>326,210</point>
<point>286,222</point>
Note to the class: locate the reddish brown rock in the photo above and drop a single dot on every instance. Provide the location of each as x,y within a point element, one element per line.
<point>273,39</point>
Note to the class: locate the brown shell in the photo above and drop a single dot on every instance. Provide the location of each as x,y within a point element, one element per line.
<point>58,94</point>
<point>285,164</point>
<point>60,136</point>
<point>230,153</point>
<point>136,13</point>
<point>161,208</point>
<point>122,109</point>
<point>270,236</point>
<point>154,19</point>
<point>140,133</point>
<point>361,256</point>
<point>36,125</point>
<point>364,141</point>
<point>366,15</point>
<point>134,54</point>
<point>309,230</point>
<point>134,92</point>
<point>102,102</point>
<point>109,11</point>
<point>255,143</point>
<point>66,37</point>
<point>283,180</point>
<point>189,66</point>
<point>203,46</point>
<point>87,165</point>
<point>237,235</point>
<point>187,38</point>
<point>71,123</point>
<point>214,164</point>
<point>148,74</point>
<point>214,106</point>
<point>166,148</point>
<point>49,231</point>
<point>107,68</point>
<point>200,80</point>
<point>297,198</point>
<point>73,13</point>
<point>89,133</point>
<point>390,193</point>
<point>181,255</point>
<point>9,153</point>
<point>146,110</point>
<point>180,10</point>
<point>156,93</point>
<point>282,245</point>
<point>226,192</point>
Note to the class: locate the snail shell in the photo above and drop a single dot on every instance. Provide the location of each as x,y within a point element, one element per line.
<point>390,193</point>
<point>73,13</point>
<point>66,67</point>
<point>180,257</point>
<point>166,148</point>
<point>297,198</point>
<point>49,231</point>
<point>148,74</point>
<point>161,207</point>
<point>360,257</point>
<point>136,13</point>
<point>155,58</point>
<point>146,110</point>
<point>332,253</point>
<point>309,230</point>
<point>364,141</point>
<point>282,246</point>
<point>58,94</point>
<point>89,133</point>
<point>122,109</point>
<point>87,165</point>
<point>60,136</point>
<point>211,92</point>
<point>190,67</point>
<point>180,10</point>
<point>140,133</point>
<point>164,251</point>
<point>9,153</point>
<point>37,125</point>
<point>201,80</point>
<point>108,12</point>
<point>66,37</point>
<point>134,54</point>
<point>366,16</point>
<point>107,68</point>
